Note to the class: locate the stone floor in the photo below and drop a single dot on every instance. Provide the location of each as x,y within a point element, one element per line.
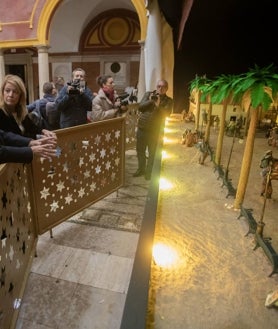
<point>80,278</point>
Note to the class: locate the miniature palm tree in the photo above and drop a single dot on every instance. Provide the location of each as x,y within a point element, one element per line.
<point>194,87</point>
<point>258,88</point>
<point>222,93</point>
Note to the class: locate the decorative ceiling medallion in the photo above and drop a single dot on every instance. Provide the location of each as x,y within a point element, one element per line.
<point>112,30</point>
<point>116,31</point>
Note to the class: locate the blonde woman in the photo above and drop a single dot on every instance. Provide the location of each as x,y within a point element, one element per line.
<point>13,111</point>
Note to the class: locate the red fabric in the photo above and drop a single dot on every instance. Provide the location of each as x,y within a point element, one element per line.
<point>110,93</point>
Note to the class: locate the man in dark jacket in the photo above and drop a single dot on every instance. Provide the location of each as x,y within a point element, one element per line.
<point>39,105</point>
<point>74,101</point>
<point>154,107</point>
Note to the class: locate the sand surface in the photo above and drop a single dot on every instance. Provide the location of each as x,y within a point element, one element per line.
<point>218,280</point>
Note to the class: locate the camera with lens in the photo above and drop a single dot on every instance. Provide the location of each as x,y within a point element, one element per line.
<point>123,99</point>
<point>77,87</point>
<point>154,96</point>
<point>123,102</point>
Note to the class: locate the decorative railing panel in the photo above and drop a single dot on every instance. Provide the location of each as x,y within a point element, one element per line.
<point>131,124</point>
<point>18,238</point>
<point>89,166</point>
<point>35,198</point>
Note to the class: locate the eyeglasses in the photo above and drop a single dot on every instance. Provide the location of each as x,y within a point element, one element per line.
<point>160,86</point>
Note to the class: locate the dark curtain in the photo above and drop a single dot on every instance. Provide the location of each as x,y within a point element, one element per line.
<point>216,37</point>
<point>172,13</point>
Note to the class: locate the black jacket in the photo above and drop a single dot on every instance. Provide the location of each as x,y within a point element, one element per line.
<point>14,148</point>
<point>152,116</point>
<point>73,108</point>
<point>8,123</point>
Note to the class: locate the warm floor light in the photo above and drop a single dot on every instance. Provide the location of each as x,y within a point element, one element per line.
<point>167,130</point>
<point>164,255</point>
<point>164,184</point>
<point>165,140</point>
<point>165,155</point>
<point>169,140</point>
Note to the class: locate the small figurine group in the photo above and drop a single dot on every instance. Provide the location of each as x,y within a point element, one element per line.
<point>269,166</point>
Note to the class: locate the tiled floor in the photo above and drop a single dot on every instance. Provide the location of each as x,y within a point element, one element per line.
<point>73,287</point>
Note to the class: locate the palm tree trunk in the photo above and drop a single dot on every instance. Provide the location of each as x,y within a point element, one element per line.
<point>198,106</point>
<point>220,138</point>
<point>247,122</point>
<point>207,132</point>
<point>247,159</point>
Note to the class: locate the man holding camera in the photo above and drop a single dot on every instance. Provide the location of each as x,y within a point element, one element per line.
<point>74,100</point>
<point>154,107</point>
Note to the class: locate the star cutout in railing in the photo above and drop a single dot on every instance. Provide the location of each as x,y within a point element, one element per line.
<point>44,193</point>
<point>4,200</point>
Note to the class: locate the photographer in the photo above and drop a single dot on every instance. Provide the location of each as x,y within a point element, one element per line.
<point>74,100</point>
<point>107,104</point>
<point>154,107</point>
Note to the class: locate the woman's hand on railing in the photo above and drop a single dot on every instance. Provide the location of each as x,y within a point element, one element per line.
<point>49,133</point>
<point>44,147</point>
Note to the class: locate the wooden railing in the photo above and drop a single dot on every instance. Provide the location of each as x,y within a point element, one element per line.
<point>89,166</point>
<point>35,198</point>
<point>18,237</point>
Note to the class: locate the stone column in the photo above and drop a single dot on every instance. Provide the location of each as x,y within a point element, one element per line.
<point>2,66</point>
<point>153,49</point>
<point>141,80</point>
<point>43,65</point>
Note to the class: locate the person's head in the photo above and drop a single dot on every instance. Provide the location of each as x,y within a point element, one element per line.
<point>59,83</point>
<point>162,87</point>
<point>13,96</point>
<point>106,82</point>
<point>49,88</point>
<point>78,74</point>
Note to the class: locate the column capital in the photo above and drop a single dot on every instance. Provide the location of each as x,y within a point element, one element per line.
<point>43,48</point>
<point>141,43</point>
